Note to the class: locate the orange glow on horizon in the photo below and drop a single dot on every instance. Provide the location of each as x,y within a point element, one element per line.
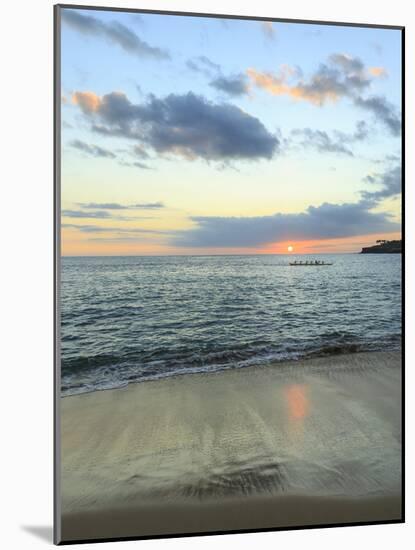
<point>328,246</point>
<point>75,244</point>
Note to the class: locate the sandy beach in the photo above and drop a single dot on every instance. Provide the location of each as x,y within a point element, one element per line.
<point>301,443</point>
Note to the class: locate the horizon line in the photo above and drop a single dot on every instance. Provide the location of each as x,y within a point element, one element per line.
<point>200,255</point>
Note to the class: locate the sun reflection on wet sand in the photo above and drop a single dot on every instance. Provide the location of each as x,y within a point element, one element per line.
<point>297,401</point>
<point>298,408</point>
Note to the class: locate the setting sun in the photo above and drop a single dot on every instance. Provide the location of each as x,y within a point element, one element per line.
<point>290,248</point>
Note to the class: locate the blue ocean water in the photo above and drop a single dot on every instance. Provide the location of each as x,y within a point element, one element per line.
<point>130,319</point>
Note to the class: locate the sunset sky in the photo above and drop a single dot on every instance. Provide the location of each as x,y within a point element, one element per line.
<point>190,135</point>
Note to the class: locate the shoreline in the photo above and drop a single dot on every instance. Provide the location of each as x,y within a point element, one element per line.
<point>271,364</point>
<point>306,442</point>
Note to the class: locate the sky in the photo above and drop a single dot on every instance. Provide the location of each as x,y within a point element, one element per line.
<point>193,135</point>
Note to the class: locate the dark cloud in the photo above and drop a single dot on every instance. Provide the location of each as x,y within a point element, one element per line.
<point>117,206</point>
<point>114,32</point>
<point>235,85</point>
<point>93,150</point>
<point>328,221</point>
<point>185,125</point>
<point>390,183</point>
<point>383,111</point>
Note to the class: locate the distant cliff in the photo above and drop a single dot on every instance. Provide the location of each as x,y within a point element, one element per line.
<point>384,247</point>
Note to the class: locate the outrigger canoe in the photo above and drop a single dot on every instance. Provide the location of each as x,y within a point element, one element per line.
<point>310,263</point>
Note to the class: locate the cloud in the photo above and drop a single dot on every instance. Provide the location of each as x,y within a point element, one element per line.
<point>268,29</point>
<point>140,152</point>
<point>87,101</point>
<point>342,76</point>
<point>114,32</point>
<point>81,214</point>
<point>379,72</point>
<point>148,205</point>
<point>328,221</point>
<point>100,215</point>
<point>203,65</point>
<point>93,150</point>
<point>383,111</point>
<point>360,134</point>
<point>392,158</point>
<point>235,85</point>
<point>117,206</point>
<point>352,66</point>
<point>186,125</point>
<point>339,143</point>
<point>321,141</point>
<point>390,182</point>
<point>136,164</point>
<point>141,165</point>
<point>103,205</point>
<point>120,239</point>
<point>101,229</point>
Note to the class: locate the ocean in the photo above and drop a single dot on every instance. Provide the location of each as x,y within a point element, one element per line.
<point>131,319</point>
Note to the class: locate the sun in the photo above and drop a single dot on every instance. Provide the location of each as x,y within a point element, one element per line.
<point>290,248</point>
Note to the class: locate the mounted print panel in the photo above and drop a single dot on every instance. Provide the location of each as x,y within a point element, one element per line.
<point>229,274</point>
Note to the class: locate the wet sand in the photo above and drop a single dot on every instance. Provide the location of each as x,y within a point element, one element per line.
<point>302,443</point>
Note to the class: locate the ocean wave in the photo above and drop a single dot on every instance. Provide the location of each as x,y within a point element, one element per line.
<point>129,319</point>
<point>86,374</point>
